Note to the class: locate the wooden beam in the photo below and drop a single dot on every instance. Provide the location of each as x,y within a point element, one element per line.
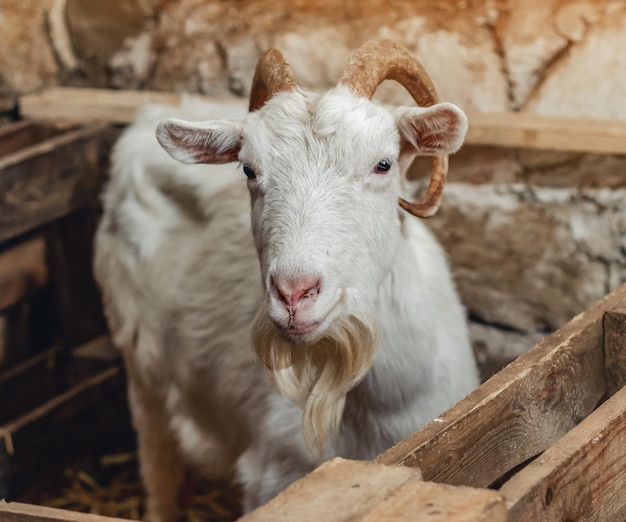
<point>97,105</point>
<point>519,412</point>
<point>523,130</point>
<point>615,348</point>
<point>18,512</point>
<point>21,134</point>
<point>582,477</point>
<point>339,490</point>
<point>46,181</point>
<point>350,491</point>
<point>23,271</point>
<point>500,129</point>
<point>432,502</point>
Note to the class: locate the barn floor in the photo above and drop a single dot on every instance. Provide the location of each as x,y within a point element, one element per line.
<point>109,484</point>
<point>81,455</point>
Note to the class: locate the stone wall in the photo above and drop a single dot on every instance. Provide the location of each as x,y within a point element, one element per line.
<point>528,258</point>
<point>545,56</point>
<point>534,237</point>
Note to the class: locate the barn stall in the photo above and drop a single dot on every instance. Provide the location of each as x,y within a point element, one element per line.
<point>532,219</point>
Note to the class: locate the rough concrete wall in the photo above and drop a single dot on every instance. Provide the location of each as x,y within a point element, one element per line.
<point>545,56</point>
<point>527,258</point>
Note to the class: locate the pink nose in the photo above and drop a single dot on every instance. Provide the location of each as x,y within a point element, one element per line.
<point>293,290</point>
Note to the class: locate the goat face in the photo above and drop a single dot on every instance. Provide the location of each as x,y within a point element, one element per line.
<point>324,207</point>
<point>324,175</point>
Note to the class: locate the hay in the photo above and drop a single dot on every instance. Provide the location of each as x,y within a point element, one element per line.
<point>113,488</point>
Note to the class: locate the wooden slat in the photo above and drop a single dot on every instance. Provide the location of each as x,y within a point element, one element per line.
<point>518,129</point>
<point>23,270</point>
<point>33,381</point>
<point>18,512</point>
<point>59,401</point>
<point>338,491</point>
<point>432,502</point>
<point>86,401</point>
<point>519,412</point>
<point>77,298</point>
<point>89,105</point>
<point>499,129</point>
<point>582,477</point>
<point>350,491</point>
<point>22,134</point>
<point>44,182</point>
<point>15,136</point>
<point>615,348</point>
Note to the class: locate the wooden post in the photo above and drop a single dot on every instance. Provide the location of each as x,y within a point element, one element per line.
<point>77,299</point>
<point>615,348</point>
<point>23,270</point>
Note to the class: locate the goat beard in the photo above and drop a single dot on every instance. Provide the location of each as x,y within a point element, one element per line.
<point>319,375</point>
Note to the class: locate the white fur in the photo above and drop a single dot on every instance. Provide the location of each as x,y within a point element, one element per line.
<point>183,279</point>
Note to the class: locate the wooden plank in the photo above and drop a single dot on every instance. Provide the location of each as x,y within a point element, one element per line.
<point>519,412</point>
<point>18,512</point>
<point>22,134</point>
<point>582,477</point>
<point>343,490</point>
<point>432,502</point>
<point>615,348</point>
<point>339,490</point>
<point>524,130</point>
<point>59,401</point>
<point>499,129</point>
<point>44,182</point>
<point>89,105</point>
<point>50,373</point>
<point>15,136</point>
<point>23,271</point>
<point>32,382</point>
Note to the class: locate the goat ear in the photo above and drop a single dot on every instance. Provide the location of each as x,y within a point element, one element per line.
<point>439,129</point>
<point>213,142</point>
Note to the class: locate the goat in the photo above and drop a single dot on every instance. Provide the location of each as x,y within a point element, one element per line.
<point>359,336</point>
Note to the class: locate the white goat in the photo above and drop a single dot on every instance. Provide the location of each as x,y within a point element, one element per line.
<point>359,335</point>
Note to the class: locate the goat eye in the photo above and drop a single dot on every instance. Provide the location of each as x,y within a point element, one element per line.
<point>248,171</point>
<point>382,167</point>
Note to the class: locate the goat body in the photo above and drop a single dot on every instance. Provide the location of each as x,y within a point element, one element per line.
<point>185,278</point>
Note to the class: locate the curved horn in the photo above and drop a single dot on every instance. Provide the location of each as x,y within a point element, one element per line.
<point>272,75</point>
<point>378,60</point>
